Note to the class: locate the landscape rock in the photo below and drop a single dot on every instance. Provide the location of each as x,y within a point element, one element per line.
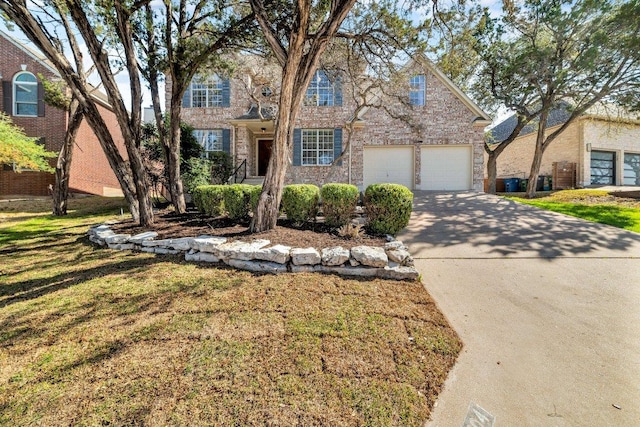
<point>348,271</point>
<point>302,268</point>
<point>180,244</point>
<point>336,255</point>
<point>396,245</point>
<point>257,266</point>
<point>241,250</point>
<point>276,253</point>
<point>117,238</point>
<point>399,273</point>
<point>353,262</point>
<point>397,255</point>
<point>159,250</point>
<point>196,256</point>
<point>139,238</point>
<point>207,243</point>
<point>305,256</point>
<point>370,256</point>
<point>121,246</point>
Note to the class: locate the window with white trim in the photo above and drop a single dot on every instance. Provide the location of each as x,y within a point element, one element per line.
<point>206,91</point>
<point>210,140</point>
<point>25,95</point>
<point>317,147</point>
<point>417,90</point>
<point>320,91</point>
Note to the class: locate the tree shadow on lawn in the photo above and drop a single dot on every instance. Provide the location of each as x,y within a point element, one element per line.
<point>478,225</point>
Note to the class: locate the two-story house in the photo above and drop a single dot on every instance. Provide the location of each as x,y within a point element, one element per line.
<point>429,138</point>
<point>22,96</point>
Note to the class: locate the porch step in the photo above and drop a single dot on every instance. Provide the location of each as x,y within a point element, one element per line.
<point>254,180</point>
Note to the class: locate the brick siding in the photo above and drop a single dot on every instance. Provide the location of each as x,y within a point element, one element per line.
<point>90,171</point>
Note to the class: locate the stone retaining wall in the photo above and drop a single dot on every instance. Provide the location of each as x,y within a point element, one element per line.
<point>392,261</point>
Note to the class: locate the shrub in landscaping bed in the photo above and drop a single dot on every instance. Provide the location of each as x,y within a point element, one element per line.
<point>209,199</point>
<point>240,200</point>
<point>300,202</point>
<point>338,203</point>
<point>388,208</point>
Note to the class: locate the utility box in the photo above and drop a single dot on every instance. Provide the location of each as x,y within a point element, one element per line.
<point>564,175</point>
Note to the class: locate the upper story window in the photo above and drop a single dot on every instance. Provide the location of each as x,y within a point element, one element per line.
<point>25,95</point>
<point>207,91</point>
<point>317,147</point>
<point>417,90</point>
<point>210,140</point>
<point>321,91</point>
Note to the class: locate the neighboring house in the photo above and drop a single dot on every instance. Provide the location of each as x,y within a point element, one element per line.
<point>438,145</point>
<point>22,95</point>
<point>603,145</point>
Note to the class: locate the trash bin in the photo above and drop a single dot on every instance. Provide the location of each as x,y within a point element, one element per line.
<point>511,185</point>
<point>540,183</point>
<point>524,183</point>
<point>546,184</point>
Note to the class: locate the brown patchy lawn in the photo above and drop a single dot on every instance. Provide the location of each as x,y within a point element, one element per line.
<point>90,336</point>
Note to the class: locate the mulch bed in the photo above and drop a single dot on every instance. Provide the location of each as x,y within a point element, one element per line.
<point>169,225</point>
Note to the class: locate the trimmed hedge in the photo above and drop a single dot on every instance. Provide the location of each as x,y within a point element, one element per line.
<point>388,208</point>
<point>300,202</point>
<point>338,203</point>
<point>209,199</point>
<point>240,200</point>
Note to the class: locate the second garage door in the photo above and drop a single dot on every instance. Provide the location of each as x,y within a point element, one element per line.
<point>388,164</point>
<point>446,168</point>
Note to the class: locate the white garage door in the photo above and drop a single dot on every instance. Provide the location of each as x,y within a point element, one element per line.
<point>446,168</point>
<point>388,164</point>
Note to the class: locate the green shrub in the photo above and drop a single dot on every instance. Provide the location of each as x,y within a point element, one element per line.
<point>240,200</point>
<point>209,199</point>
<point>300,202</point>
<point>388,208</point>
<point>338,203</point>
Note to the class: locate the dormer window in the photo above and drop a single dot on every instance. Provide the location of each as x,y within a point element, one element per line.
<point>322,91</point>
<point>417,90</point>
<point>25,95</point>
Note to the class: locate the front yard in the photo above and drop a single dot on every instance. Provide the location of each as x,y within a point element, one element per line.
<point>621,210</point>
<point>91,336</point>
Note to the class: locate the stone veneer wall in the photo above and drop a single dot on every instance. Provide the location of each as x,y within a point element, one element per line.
<point>391,262</point>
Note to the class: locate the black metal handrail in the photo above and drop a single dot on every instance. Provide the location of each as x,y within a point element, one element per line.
<point>242,166</point>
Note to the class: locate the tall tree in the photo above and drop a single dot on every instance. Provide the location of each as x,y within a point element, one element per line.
<point>181,39</point>
<point>564,53</point>
<point>20,150</point>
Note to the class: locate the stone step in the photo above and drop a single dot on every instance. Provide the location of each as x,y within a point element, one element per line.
<point>254,180</point>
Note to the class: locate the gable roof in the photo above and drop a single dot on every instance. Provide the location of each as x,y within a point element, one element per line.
<point>502,130</point>
<point>41,59</point>
<point>482,118</point>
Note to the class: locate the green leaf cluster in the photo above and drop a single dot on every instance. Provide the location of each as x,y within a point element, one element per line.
<point>240,200</point>
<point>338,203</point>
<point>209,199</point>
<point>21,150</point>
<point>300,202</point>
<point>388,208</point>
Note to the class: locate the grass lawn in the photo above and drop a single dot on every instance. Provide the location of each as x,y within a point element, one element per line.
<point>593,205</point>
<point>90,336</point>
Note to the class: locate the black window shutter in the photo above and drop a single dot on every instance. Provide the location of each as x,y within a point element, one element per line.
<point>226,141</point>
<point>7,98</point>
<point>297,147</point>
<point>40,99</point>
<point>337,144</point>
<point>226,93</point>
<point>186,98</point>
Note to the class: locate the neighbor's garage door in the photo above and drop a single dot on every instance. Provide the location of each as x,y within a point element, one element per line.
<point>446,168</point>
<point>388,164</point>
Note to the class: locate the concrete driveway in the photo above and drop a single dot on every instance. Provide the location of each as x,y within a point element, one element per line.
<point>548,307</point>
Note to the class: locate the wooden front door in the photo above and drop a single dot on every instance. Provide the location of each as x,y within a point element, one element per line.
<point>264,154</point>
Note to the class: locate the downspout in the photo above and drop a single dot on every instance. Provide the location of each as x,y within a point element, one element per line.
<point>349,164</point>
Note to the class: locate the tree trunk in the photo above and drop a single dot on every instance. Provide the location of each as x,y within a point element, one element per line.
<point>61,187</point>
<point>171,147</point>
<point>492,171</point>
<point>537,155</point>
<point>266,215</point>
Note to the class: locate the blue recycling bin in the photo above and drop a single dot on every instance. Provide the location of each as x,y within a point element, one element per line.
<point>511,185</point>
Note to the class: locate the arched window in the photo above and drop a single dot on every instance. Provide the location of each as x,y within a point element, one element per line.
<point>25,95</point>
